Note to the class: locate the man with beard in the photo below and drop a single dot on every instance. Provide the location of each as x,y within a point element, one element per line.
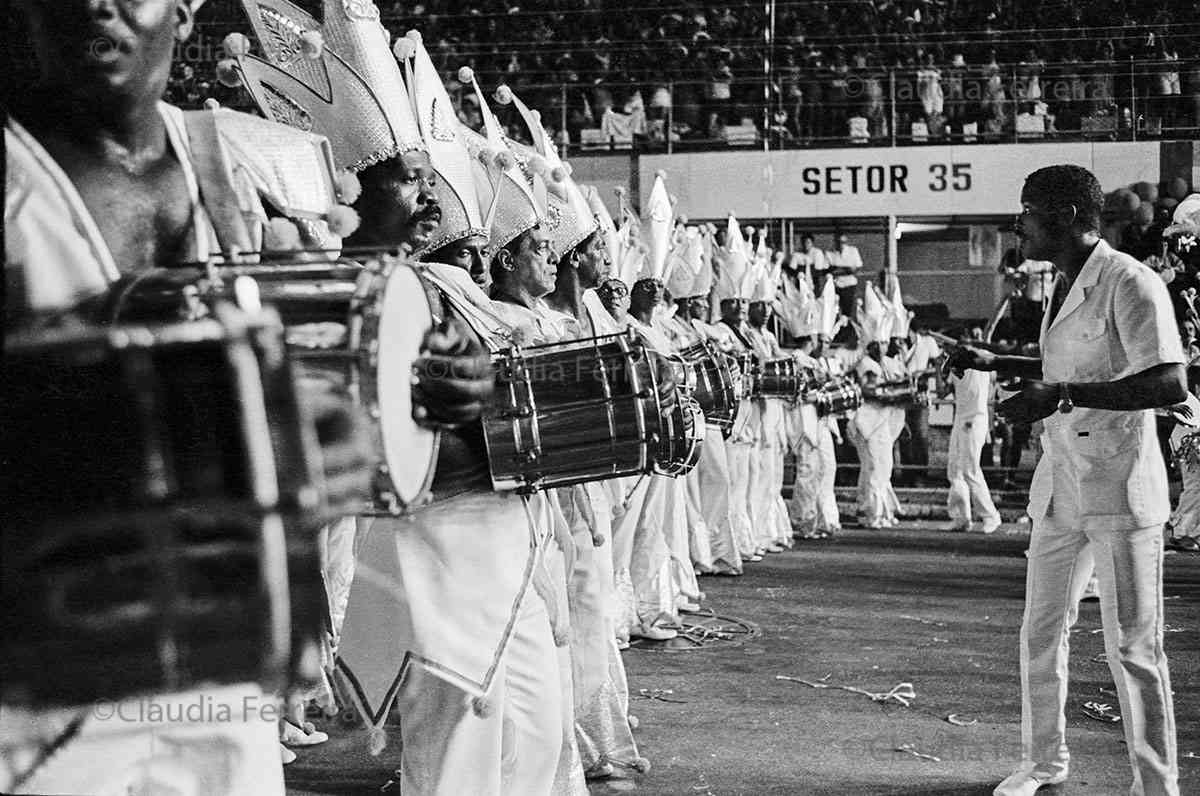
<point>108,183</point>
<point>448,627</point>
<point>1110,355</point>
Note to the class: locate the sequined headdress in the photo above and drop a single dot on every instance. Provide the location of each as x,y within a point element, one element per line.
<point>511,208</point>
<point>569,217</point>
<point>456,190</point>
<point>337,77</point>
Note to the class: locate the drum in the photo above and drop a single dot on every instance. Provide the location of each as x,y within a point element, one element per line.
<point>744,365</point>
<point>678,448</point>
<point>894,392</point>
<point>361,327</point>
<point>778,378</point>
<point>148,525</point>
<point>714,390</point>
<point>567,413</point>
<point>838,398</point>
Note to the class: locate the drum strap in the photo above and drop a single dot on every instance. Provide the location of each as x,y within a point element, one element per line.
<point>217,194</point>
<point>737,333</point>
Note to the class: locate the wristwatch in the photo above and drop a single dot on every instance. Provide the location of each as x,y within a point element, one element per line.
<point>1065,404</point>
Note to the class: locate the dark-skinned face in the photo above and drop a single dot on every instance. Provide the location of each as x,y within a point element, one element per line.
<point>398,202</point>
<point>645,297</point>
<point>759,312</point>
<point>1038,229</point>
<point>698,307</point>
<point>101,49</point>
<point>469,254</point>
<point>875,351</point>
<point>733,310</point>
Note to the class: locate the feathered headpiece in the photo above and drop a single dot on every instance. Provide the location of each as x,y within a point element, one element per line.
<point>829,309</point>
<point>876,317</point>
<point>799,308</point>
<point>900,316</point>
<point>735,276</point>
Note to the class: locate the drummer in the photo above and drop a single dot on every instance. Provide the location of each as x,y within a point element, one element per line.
<point>769,513</point>
<point>735,283</point>
<point>877,424</point>
<point>712,471</point>
<point>454,634</point>
<point>646,534</point>
<point>132,192</point>
<point>596,674</point>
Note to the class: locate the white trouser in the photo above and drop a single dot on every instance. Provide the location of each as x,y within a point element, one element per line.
<point>449,750</point>
<point>714,480</point>
<point>739,456</point>
<point>877,500</point>
<point>219,741</point>
<point>1128,565</point>
<point>699,536</point>
<point>967,485</point>
<point>814,502</point>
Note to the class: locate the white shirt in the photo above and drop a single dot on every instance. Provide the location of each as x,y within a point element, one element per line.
<point>1116,321</point>
<point>971,394</point>
<point>813,262</point>
<point>848,257</point>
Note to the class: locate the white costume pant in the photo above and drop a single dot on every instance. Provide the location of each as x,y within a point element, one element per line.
<point>219,741</point>
<point>699,536</point>
<point>1128,564</point>
<point>683,573</point>
<point>714,481</point>
<point>814,506</point>
<point>967,485</point>
<point>739,455</point>
<point>872,434</point>
<point>450,750</point>
<point>643,552</point>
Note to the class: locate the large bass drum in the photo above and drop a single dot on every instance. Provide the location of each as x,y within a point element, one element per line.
<point>572,412</point>
<point>149,523</point>
<point>680,444</point>
<point>715,389</point>
<point>360,327</point>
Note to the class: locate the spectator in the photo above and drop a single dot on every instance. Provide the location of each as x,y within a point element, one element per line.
<point>844,263</point>
<point>929,87</point>
<point>811,261</point>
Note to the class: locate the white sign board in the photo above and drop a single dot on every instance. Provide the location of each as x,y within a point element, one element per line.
<point>902,181</point>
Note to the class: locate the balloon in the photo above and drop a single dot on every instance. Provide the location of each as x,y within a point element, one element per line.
<point>1144,215</point>
<point>1146,191</point>
<point>1178,188</point>
<point>1168,203</point>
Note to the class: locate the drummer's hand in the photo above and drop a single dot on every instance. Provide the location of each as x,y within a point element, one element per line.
<point>346,453</point>
<point>967,357</point>
<point>1035,401</point>
<point>454,378</point>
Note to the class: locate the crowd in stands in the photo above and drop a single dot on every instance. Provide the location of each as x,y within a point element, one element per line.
<point>834,70</point>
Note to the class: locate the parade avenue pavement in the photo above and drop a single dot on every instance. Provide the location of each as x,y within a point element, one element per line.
<point>869,610</point>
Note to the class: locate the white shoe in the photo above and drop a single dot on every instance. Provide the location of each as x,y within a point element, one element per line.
<point>991,526</point>
<point>689,607</point>
<point>653,632</point>
<point>1024,783</point>
<point>286,755</point>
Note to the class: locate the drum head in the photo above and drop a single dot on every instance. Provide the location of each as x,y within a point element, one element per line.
<point>410,451</point>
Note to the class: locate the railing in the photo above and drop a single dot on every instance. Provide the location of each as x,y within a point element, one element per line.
<point>1102,102</point>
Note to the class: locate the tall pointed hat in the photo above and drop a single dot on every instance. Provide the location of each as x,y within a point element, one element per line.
<point>900,316</point>
<point>876,317</point>
<point>657,223</point>
<point>455,187</point>
<point>735,275</point>
<point>569,217</point>
<point>829,309</point>
<point>337,77</point>
<point>512,207</point>
<point>607,227</point>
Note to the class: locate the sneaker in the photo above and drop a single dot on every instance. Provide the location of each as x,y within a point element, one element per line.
<point>990,526</point>
<point>775,547</point>
<point>1025,783</point>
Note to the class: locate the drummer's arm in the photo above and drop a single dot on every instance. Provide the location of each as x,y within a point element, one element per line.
<point>1005,366</point>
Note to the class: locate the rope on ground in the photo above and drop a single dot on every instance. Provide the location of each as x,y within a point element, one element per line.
<point>909,749</point>
<point>660,694</point>
<point>954,719</point>
<point>902,693</point>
